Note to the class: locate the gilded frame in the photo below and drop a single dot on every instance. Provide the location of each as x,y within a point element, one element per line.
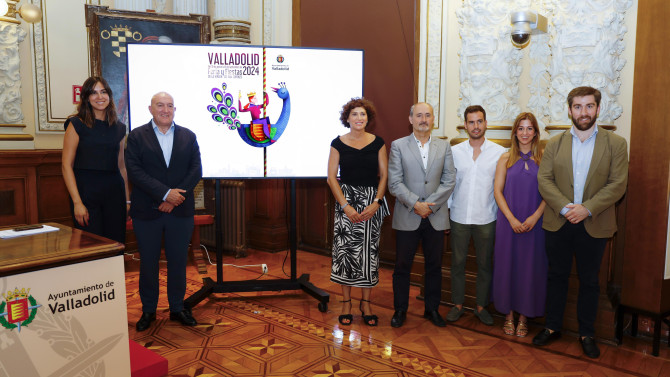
<point>128,27</point>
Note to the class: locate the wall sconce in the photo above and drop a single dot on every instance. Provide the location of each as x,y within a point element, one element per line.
<point>28,12</point>
<point>524,24</point>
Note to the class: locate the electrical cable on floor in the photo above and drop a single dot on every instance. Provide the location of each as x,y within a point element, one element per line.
<point>132,256</point>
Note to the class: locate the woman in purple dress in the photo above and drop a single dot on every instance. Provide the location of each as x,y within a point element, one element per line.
<point>519,258</point>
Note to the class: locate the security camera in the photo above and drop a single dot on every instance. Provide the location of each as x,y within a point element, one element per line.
<point>524,24</point>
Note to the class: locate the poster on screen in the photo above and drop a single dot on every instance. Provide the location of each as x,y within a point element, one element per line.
<point>257,111</point>
<point>65,321</point>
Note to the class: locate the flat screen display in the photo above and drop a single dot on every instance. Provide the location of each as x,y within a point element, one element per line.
<point>258,112</point>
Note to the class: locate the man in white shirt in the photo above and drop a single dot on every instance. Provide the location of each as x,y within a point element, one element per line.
<point>473,212</point>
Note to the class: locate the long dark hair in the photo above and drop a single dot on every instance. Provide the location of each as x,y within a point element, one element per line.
<point>85,110</point>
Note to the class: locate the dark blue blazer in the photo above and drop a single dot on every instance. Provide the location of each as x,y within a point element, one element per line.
<point>152,178</point>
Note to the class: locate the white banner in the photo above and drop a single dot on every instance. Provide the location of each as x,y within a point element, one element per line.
<point>65,321</point>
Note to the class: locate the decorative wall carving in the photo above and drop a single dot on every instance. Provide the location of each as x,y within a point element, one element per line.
<point>41,99</point>
<point>586,45</point>
<point>540,78</point>
<point>11,35</point>
<point>160,6</point>
<point>490,68</point>
<point>267,22</point>
<point>434,54</point>
<point>582,47</point>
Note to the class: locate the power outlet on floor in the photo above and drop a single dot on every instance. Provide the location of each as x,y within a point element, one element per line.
<point>265,268</point>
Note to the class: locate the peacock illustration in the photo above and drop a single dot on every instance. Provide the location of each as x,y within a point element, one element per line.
<point>259,132</point>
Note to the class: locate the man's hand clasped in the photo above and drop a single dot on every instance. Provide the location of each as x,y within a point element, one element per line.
<point>423,209</point>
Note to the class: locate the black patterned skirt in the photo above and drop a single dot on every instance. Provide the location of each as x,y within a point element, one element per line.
<point>356,245</point>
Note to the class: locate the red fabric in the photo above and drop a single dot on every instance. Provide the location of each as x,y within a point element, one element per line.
<point>146,363</point>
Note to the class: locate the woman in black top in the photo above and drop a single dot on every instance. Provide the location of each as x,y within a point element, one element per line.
<point>360,207</point>
<point>93,167</point>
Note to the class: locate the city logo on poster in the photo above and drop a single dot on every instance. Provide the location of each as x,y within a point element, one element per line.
<point>281,66</point>
<point>18,309</point>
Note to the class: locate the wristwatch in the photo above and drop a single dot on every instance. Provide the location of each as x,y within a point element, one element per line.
<point>379,201</point>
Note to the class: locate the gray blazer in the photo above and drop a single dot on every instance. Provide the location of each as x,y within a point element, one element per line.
<point>409,182</point>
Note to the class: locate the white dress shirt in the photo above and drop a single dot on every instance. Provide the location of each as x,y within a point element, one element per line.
<point>424,149</point>
<point>472,201</point>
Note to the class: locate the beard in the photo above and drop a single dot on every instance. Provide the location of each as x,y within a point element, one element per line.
<point>584,127</point>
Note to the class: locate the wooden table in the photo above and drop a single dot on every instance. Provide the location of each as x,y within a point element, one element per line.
<point>46,250</point>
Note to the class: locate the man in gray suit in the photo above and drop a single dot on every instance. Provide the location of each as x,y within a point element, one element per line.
<point>421,177</point>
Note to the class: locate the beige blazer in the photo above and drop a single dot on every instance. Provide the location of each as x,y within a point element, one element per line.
<point>605,183</point>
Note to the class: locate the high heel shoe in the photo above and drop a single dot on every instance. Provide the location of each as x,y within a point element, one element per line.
<point>370,320</point>
<point>508,327</point>
<point>522,329</point>
<point>346,317</point>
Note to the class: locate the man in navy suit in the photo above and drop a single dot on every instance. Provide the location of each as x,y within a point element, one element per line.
<point>163,163</point>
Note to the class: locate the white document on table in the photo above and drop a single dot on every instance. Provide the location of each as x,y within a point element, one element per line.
<point>11,233</point>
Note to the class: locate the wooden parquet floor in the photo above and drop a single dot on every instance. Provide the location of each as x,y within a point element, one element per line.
<point>284,334</point>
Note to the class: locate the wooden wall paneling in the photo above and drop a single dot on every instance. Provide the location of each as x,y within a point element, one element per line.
<point>643,284</point>
<point>389,51</point>
<point>13,187</point>
<point>316,211</point>
<point>52,196</point>
<point>18,173</point>
<point>267,221</point>
<point>384,57</point>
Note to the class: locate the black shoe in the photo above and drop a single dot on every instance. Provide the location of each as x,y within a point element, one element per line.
<point>184,316</point>
<point>435,317</point>
<point>590,347</point>
<point>545,337</point>
<point>370,320</point>
<point>145,321</point>
<point>346,319</point>
<point>399,318</point>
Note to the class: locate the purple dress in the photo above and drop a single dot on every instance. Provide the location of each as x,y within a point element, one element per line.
<point>519,260</point>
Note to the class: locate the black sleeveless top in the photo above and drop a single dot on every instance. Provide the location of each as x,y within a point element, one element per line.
<point>98,147</point>
<point>359,167</point>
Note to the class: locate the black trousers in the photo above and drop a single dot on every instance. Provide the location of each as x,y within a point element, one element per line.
<point>177,234</point>
<point>573,240</point>
<point>406,244</point>
<point>104,195</point>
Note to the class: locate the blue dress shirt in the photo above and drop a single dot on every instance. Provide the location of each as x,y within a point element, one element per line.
<point>165,140</point>
<point>582,153</point>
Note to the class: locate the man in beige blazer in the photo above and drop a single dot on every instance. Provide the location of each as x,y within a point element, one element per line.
<point>582,175</point>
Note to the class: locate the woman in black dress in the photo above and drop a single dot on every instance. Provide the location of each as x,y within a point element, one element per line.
<point>93,167</point>
<point>360,207</point>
